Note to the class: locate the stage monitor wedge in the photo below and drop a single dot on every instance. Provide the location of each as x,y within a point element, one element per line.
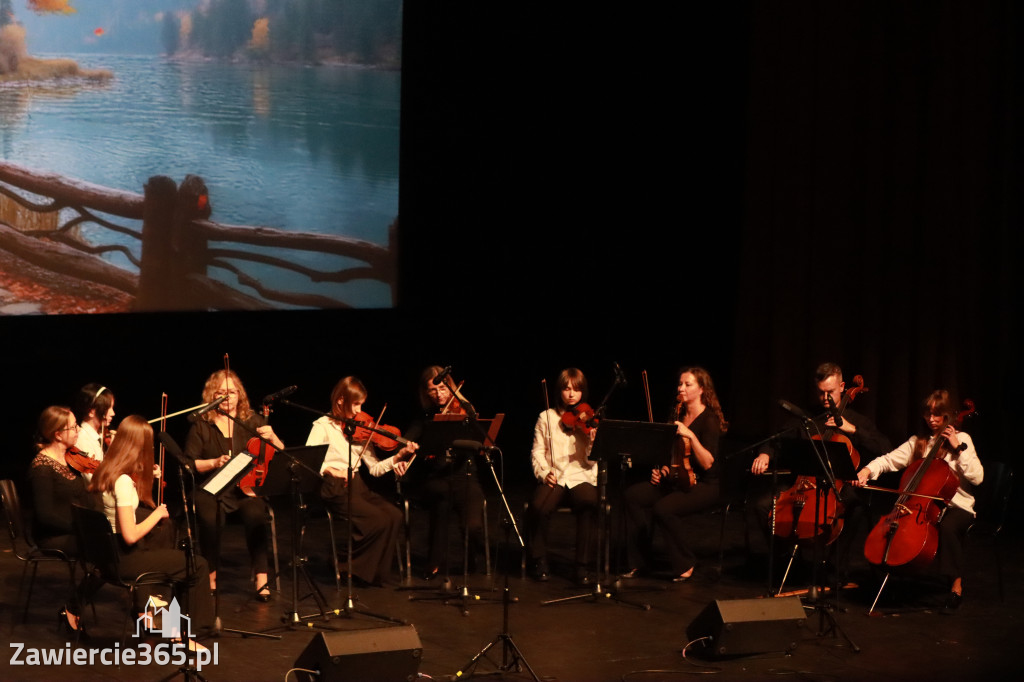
<point>737,627</point>
<point>390,654</point>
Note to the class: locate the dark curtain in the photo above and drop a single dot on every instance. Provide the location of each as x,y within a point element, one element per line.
<point>882,201</point>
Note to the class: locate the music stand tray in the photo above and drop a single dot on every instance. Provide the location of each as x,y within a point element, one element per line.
<point>647,443</point>
<point>444,429</point>
<point>307,460</point>
<point>798,455</point>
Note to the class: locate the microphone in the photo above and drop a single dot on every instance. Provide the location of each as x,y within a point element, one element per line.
<point>830,405</point>
<point>207,407</point>
<point>174,451</point>
<point>620,376</point>
<point>280,394</point>
<point>472,445</point>
<point>793,410</point>
<point>441,375</point>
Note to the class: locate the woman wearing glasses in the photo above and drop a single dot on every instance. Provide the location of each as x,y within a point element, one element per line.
<point>212,441</point>
<point>55,487</point>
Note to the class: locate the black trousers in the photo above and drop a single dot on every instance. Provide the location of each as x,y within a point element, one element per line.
<point>376,525</point>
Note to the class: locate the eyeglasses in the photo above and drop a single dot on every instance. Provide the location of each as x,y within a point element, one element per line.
<point>74,427</point>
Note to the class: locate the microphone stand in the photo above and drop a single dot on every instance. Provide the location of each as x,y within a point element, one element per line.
<point>815,594</point>
<point>511,656</point>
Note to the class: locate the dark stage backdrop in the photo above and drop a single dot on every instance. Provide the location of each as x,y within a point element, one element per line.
<point>754,188</point>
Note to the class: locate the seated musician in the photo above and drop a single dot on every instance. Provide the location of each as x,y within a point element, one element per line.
<point>213,439</point>
<point>671,494</point>
<point>376,522</point>
<point>561,467</point>
<point>94,408</point>
<point>864,438</point>
<point>939,416</point>
<point>443,486</point>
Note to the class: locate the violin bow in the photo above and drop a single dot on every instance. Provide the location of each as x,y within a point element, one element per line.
<point>163,429</point>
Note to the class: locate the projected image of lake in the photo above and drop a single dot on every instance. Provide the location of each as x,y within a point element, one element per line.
<point>287,146</point>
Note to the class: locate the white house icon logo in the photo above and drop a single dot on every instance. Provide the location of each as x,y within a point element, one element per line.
<point>170,620</point>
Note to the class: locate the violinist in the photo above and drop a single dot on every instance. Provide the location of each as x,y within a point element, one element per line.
<point>939,413</point>
<point>124,482</point>
<point>56,486</point>
<point>865,439</point>
<point>94,408</point>
<point>213,439</point>
<point>440,485</point>
<point>669,497</point>
<point>376,522</point>
<point>562,468</point>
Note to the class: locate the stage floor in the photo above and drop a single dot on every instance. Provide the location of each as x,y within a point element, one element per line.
<point>595,638</point>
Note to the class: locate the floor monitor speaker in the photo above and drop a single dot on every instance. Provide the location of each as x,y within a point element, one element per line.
<point>737,627</point>
<point>390,654</point>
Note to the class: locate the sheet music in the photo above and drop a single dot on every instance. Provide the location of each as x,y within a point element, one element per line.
<point>235,466</point>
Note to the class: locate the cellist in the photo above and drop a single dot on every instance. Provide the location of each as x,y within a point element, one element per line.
<point>864,437</point>
<point>939,412</point>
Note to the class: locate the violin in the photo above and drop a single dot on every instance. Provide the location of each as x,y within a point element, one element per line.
<point>263,452</point>
<point>79,461</point>
<point>908,535</point>
<point>792,519</point>
<point>382,436</point>
<point>681,467</point>
<point>582,417</point>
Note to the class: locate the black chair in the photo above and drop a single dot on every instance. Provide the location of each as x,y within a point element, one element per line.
<point>100,555</point>
<point>25,549</point>
<point>991,506</point>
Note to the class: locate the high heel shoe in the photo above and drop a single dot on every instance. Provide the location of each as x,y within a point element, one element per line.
<point>69,622</point>
<point>263,593</point>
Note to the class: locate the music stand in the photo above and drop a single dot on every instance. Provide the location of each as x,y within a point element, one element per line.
<point>443,434</point>
<point>828,462</point>
<point>294,471</point>
<point>643,442</point>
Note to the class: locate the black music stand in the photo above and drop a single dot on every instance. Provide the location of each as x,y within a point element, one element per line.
<point>441,435</point>
<point>294,472</point>
<point>643,443</point>
<point>829,463</point>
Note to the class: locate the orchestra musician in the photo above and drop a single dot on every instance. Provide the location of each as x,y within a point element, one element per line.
<point>376,522</point>
<point>939,413</point>
<point>671,495</point>
<point>56,486</point>
<point>94,408</point>
<point>562,468</point>
<point>864,437</point>
<point>124,480</point>
<point>443,486</point>
<point>213,439</point>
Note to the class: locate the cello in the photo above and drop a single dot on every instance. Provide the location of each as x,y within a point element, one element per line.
<point>791,521</point>
<point>908,535</point>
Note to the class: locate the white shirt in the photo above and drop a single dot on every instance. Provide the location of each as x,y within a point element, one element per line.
<point>326,430</point>
<point>966,464</point>
<point>569,460</point>
<point>90,443</point>
<point>124,495</point>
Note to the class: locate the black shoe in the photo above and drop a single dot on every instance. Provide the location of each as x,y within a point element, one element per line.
<point>582,578</point>
<point>632,573</point>
<point>68,622</point>
<point>431,572</point>
<point>540,570</point>
<point>682,578</point>
<point>953,602</point>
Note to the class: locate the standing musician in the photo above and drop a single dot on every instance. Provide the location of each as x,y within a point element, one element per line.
<point>124,480</point>
<point>94,408</point>
<point>213,439</point>
<point>864,437</point>
<point>440,485</point>
<point>376,522</point>
<point>939,412</point>
<point>561,467</point>
<point>671,494</point>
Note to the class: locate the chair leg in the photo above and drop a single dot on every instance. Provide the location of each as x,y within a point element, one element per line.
<point>334,552</point>
<point>273,546</point>
<point>408,542</point>
<point>487,539</point>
